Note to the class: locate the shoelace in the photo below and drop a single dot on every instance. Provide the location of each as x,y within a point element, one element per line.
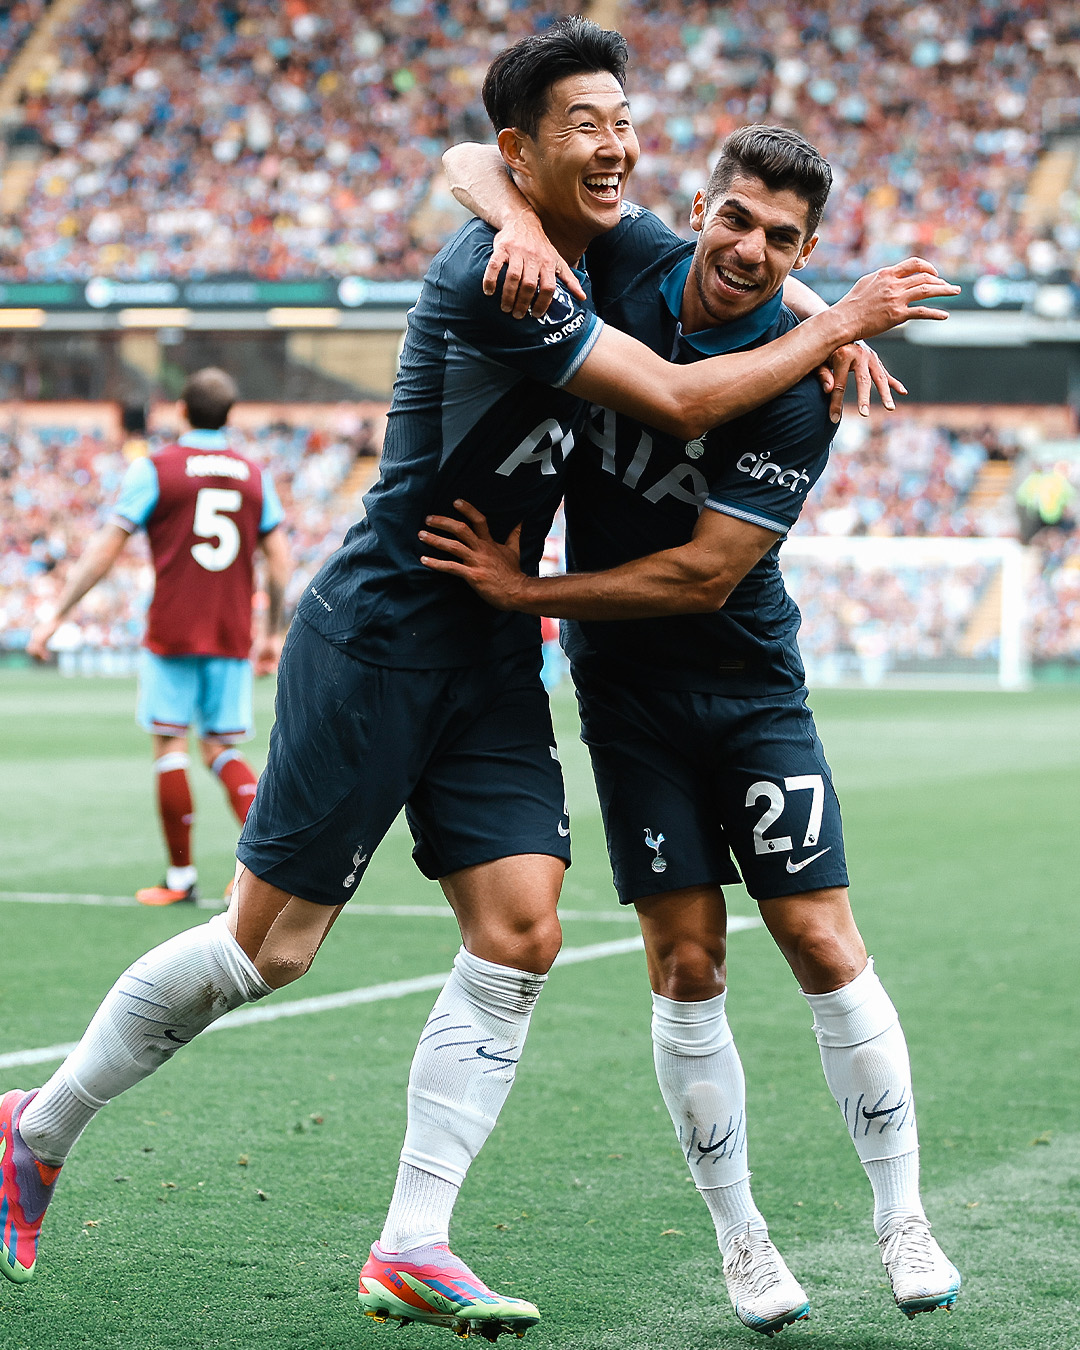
<point>757,1263</point>
<point>912,1241</point>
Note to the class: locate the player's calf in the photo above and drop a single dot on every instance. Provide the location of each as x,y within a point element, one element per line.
<point>26,1187</point>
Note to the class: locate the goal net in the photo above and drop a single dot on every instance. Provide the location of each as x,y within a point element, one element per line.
<point>910,611</point>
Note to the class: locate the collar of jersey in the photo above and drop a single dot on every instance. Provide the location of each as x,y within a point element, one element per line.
<point>725,337</point>
<point>202,438</point>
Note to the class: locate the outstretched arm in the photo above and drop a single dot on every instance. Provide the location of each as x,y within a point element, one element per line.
<point>625,375</point>
<point>94,564</point>
<point>695,578</point>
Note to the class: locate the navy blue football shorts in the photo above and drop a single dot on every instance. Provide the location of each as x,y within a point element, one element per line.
<point>469,753</point>
<point>698,788</point>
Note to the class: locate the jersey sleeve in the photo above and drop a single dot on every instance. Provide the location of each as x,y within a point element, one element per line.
<point>550,349</point>
<point>273,513</point>
<point>138,496</point>
<point>772,458</point>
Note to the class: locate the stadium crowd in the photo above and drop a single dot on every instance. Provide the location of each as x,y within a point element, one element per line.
<point>893,477</point>
<point>297,139</point>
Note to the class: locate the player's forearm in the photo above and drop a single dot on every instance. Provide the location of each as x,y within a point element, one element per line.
<point>278,555</point>
<point>725,387</point>
<point>94,564</point>
<point>479,181</point>
<point>688,400</point>
<point>653,587</point>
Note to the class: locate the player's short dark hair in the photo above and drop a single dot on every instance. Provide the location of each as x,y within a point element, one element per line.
<point>208,395</point>
<point>782,159</point>
<point>518,81</point>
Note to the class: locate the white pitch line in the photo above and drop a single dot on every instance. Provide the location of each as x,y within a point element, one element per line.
<point>619,915</point>
<point>372,993</point>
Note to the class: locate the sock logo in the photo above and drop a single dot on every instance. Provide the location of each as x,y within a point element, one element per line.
<point>658,864</point>
<point>358,860</point>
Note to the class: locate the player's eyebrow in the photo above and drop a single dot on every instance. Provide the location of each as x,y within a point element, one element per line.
<point>781,231</point>
<point>595,108</point>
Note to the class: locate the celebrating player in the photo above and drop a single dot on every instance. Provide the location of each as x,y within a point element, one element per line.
<point>399,686</point>
<point>206,510</point>
<point>701,740</point>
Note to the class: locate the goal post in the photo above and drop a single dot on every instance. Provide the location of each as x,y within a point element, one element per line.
<point>911,611</point>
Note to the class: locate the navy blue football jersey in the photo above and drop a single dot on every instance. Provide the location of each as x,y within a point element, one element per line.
<point>632,490</point>
<point>478,412</point>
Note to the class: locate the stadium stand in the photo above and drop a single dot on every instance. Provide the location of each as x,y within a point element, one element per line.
<point>281,141</point>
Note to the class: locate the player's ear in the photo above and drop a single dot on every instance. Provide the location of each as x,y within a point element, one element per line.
<point>697,212</point>
<point>513,148</point>
<point>804,253</point>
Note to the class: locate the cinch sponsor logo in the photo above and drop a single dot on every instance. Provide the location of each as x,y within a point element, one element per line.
<point>216,466</point>
<point>565,331</point>
<point>761,467</point>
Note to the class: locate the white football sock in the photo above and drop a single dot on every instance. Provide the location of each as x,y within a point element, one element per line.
<point>159,1004</point>
<point>419,1214</point>
<point>864,1055</point>
<point>701,1080</point>
<point>461,1074</point>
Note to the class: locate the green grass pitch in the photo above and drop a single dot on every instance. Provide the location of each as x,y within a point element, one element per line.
<point>229,1200</point>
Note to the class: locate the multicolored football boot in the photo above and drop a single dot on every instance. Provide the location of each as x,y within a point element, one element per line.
<point>922,1276</point>
<point>26,1187</point>
<point>429,1284</point>
<point>164,895</point>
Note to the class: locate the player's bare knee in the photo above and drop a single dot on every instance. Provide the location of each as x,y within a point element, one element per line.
<point>689,971</point>
<point>823,960</point>
<point>529,944</point>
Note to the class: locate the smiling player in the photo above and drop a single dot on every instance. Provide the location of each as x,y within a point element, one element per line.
<point>682,642</point>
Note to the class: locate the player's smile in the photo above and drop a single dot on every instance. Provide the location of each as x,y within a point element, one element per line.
<point>751,238</point>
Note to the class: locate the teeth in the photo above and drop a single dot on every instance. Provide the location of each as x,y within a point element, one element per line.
<point>741,282</point>
<point>608,181</point>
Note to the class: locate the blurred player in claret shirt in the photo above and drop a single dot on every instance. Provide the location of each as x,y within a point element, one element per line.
<point>206,510</point>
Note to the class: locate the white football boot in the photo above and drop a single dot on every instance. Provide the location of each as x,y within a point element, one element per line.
<point>764,1293</point>
<point>922,1276</point>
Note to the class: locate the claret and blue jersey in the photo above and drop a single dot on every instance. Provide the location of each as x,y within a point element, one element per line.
<point>479,412</point>
<point>632,490</point>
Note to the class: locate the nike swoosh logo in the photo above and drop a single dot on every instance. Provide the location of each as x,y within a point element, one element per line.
<point>563,830</point>
<point>706,1149</point>
<point>886,1111</point>
<point>498,1059</point>
<point>172,1036</point>
<point>798,867</point>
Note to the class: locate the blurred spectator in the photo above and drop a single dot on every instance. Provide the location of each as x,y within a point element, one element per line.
<point>1044,498</point>
<point>16,22</point>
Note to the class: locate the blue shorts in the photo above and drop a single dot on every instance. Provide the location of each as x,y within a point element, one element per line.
<point>210,693</point>
<point>686,780</point>
<point>470,754</point>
